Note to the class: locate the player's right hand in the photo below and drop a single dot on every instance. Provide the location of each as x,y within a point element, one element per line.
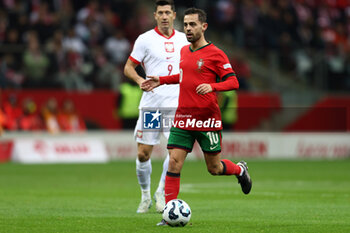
<point>150,84</point>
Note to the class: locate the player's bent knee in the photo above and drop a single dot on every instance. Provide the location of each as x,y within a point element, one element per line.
<point>144,152</point>
<point>143,156</point>
<point>172,163</point>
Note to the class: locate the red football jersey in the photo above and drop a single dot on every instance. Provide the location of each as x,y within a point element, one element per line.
<point>210,65</point>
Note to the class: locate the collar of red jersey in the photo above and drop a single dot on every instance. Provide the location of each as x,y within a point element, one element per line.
<point>209,43</point>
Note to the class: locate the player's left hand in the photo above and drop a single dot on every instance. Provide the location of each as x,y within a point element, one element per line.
<point>203,89</point>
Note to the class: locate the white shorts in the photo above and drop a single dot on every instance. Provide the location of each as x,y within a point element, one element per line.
<point>152,100</point>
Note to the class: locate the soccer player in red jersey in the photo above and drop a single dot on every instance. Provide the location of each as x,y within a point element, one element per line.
<point>204,69</point>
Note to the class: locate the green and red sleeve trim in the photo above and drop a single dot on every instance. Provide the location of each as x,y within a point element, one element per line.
<point>229,82</point>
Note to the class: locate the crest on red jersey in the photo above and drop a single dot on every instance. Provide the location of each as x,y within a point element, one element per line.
<point>169,47</point>
<point>200,63</point>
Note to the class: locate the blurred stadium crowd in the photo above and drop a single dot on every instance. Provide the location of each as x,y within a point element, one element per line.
<point>310,38</point>
<point>26,116</point>
<point>83,45</point>
<point>74,45</point>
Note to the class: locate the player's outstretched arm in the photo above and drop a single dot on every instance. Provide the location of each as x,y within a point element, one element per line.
<point>231,83</point>
<point>151,83</point>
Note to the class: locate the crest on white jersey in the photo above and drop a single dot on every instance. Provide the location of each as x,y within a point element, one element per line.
<point>139,134</point>
<point>169,47</point>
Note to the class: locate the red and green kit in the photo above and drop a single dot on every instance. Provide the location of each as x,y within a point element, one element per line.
<point>209,65</point>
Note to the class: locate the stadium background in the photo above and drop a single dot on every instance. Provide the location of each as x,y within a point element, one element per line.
<point>294,75</point>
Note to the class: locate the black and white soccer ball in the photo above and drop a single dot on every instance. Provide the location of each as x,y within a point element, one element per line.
<point>177,213</point>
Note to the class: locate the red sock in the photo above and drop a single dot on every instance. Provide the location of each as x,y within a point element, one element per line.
<point>230,168</point>
<point>172,186</point>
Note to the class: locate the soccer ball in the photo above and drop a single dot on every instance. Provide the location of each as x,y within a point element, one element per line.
<point>177,213</point>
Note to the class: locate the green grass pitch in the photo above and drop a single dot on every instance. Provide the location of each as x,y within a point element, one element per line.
<point>287,196</point>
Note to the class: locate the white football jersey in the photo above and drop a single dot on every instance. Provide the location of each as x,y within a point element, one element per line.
<point>159,56</point>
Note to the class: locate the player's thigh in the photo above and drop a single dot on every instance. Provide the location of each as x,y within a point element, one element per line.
<point>209,141</point>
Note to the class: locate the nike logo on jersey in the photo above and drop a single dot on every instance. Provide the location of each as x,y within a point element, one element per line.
<point>213,147</point>
<point>168,58</point>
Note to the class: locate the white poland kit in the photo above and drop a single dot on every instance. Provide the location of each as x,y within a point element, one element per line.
<point>159,56</point>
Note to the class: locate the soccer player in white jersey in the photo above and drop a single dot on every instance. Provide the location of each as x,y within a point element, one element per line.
<point>158,51</point>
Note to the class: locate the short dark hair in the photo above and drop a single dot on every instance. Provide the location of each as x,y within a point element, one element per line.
<point>164,3</point>
<point>202,16</point>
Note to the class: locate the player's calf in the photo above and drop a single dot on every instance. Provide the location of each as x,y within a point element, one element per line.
<point>214,170</point>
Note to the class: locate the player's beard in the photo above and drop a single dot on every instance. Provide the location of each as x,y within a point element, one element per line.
<point>194,37</point>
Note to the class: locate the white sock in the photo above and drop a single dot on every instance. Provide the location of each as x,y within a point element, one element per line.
<point>143,172</point>
<point>146,195</point>
<point>162,178</point>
